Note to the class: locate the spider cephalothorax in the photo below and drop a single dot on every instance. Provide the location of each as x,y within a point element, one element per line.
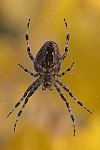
<point>47,64</point>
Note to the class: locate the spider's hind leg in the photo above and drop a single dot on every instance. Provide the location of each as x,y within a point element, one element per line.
<point>27,42</point>
<point>67,36</point>
<point>28,46</point>
<point>66,46</point>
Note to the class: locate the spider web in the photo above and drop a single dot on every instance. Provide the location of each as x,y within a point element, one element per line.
<point>47,24</point>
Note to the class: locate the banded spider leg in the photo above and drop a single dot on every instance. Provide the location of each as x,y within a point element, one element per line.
<point>67,104</point>
<point>28,93</point>
<point>71,94</point>
<point>66,47</point>
<point>28,47</point>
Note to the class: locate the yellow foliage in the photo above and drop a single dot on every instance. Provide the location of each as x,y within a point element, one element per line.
<point>44,125</point>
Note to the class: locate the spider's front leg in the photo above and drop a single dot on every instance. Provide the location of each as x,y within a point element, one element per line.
<point>24,96</point>
<point>67,104</point>
<point>34,87</point>
<point>71,94</point>
<point>19,102</point>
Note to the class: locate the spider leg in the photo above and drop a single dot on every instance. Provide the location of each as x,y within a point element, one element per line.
<point>66,47</point>
<point>67,36</point>
<point>71,94</point>
<point>68,106</point>
<point>28,46</point>
<point>26,70</point>
<point>24,95</point>
<point>18,103</point>
<point>63,73</point>
<point>27,42</point>
<point>34,88</point>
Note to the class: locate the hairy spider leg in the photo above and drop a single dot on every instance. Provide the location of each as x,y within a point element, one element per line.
<point>29,72</point>
<point>71,94</point>
<point>68,106</point>
<point>66,47</point>
<point>28,46</point>
<point>18,103</point>
<point>63,73</point>
<point>25,94</point>
<point>67,36</point>
<point>37,83</point>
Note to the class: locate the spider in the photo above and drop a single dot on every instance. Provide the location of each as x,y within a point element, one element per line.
<point>47,65</point>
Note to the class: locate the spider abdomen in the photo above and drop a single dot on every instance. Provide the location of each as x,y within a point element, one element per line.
<point>48,56</point>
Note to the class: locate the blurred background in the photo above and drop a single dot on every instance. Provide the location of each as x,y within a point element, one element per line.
<point>45,122</point>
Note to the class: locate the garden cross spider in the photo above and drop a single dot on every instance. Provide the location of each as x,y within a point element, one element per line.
<point>47,64</point>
